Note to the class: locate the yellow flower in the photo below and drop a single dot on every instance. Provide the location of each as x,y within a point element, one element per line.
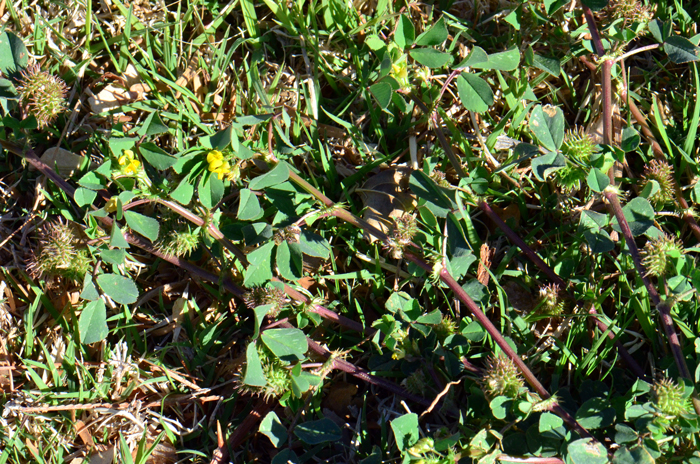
<point>129,161</point>
<point>221,170</point>
<point>217,164</point>
<point>111,205</point>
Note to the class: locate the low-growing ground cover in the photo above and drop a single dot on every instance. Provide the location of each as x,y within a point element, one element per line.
<point>460,231</point>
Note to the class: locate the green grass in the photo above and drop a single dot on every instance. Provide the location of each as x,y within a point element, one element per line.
<point>325,300</point>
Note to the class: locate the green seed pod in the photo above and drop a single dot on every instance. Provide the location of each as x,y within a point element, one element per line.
<point>658,253</point>
<point>269,295</point>
<point>551,302</point>
<point>501,377</point>
<point>670,398</point>
<point>61,253</point>
<point>44,94</point>
<point>662,173</point>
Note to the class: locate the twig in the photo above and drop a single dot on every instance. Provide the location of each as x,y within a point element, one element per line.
<point>662,306</point>
<point>549,272</point>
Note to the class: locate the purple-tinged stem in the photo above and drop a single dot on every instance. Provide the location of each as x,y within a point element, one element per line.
<point>549,272</point>
<point>361,374</point>
<point>662,306</point>
<point>486,323</point>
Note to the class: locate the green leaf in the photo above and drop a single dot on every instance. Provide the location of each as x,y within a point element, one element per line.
<point>144,225</point>
<point>544,165</point>
<point>318,431</point>
<point>93,322</point>
<point>260,313</point>
<point>156,157</point>
<point>13,54</point>
<point>381,91</point>
<point>272,428</point>
<point>595,5</point>
<point>547,123</point>
<point>275,176</point>
<point>219,141</point>
<point>502,61</point>
<point>314,245</point>
<point>406,430</point>
<point>639,215</point>
<point>633,455</point>
<point>183,193</point>
<point>248,206</point>
<point>287,344</point>
<point>433,318</point>
<point>430,57</point>
<point>153,125</point>
<point>91,181</point>
<point>587,451</point>
<point>548,65</point>
<point>119,288</point>
<point>553,5</point>
<point>426,189</point>
<point>591,223</point>
<point>89,290</point>
<point>595,413</point>
<point>476,58</point>
<point>404,36</point>
<point>660,30</point>
<point>549,421</point>
<point>211,191</point>
<point>475,94</point>
<point>500,406</point>
<point>286,456</point>
<point>630,139</point>
<point>83,196</point>
<point>114,257</point>
<point>290,260</point>
<point>597,181</point>
<point>260,269</point>
<point>681,50</point>
<point>433,36</point>
<point>254,375</point>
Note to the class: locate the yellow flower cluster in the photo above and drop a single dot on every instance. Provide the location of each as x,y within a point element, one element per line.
<point>129,162</point>
<point>217,164</point>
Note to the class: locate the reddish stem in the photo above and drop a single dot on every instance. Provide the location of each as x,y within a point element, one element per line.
<point>546,269</point>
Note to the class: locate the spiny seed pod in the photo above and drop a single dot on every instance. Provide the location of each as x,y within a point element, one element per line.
<point>60,254</point>
<point>445,328</point>
<point>662,173</point>
<point>269,295</point>
<point>179,242</point>
<point>278,377</point>
<point>289,234</point>
<point>551,302</point>
<point>570,178</point>
<point>501,377</point>
<point>416,383</point>
<point>44,94</point>
<point>658,254</point>
<point>579,145</point>
<point>439,178</point>
<point>405,228</point>
<point>631,11</point>
<point>670,398</point>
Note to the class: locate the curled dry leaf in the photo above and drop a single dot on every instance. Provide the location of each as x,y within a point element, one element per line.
<point>63,161</point>
<point>110,98</point>
<point>386,196</point>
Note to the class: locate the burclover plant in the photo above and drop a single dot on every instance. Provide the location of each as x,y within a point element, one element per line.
<point>501,377</point>
<point>60,254</point>
<point>43,94</point>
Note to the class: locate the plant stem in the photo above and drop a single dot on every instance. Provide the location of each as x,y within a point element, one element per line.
<point>547,270</point>
<point>361,374</point>
<point>661,306</point>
